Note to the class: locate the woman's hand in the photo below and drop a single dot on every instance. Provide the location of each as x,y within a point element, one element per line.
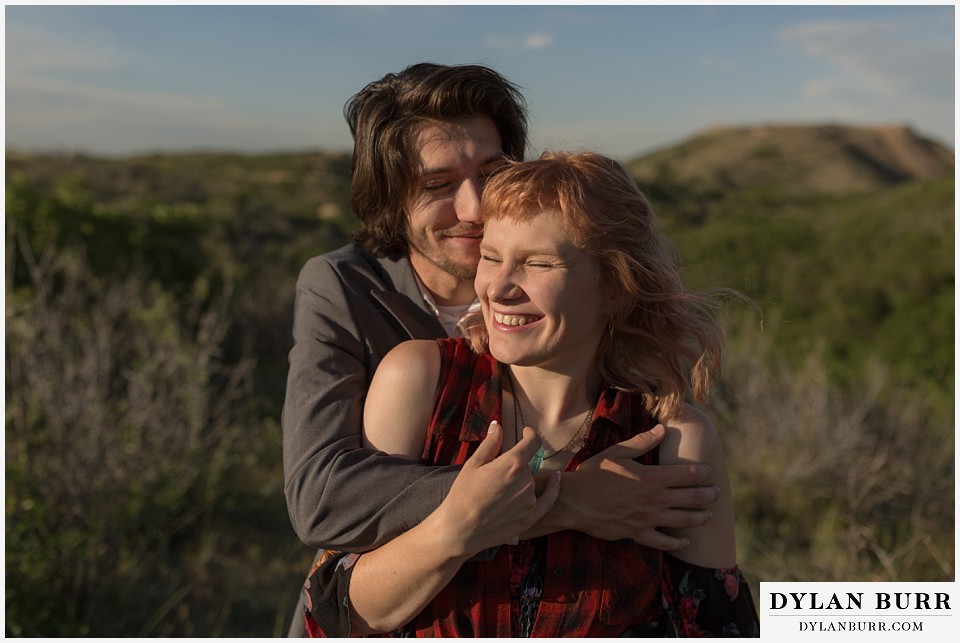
<point>494,496</point>
<point>492,500</point>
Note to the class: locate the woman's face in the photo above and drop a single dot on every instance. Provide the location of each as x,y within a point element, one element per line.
<point>541,297</point>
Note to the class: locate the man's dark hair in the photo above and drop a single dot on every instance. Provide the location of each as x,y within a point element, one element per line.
<point>383,117</point>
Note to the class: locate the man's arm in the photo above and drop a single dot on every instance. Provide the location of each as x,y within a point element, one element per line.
<point>610,497</point>
<point>340,495</point>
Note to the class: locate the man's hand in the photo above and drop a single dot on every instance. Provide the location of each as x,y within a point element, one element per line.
<point>611,497</point>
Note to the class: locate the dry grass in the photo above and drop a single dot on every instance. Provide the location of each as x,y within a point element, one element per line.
<point>123,423</point>
<point>834,485</point>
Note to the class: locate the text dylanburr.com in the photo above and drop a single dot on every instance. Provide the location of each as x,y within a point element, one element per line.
<point>795,611</point>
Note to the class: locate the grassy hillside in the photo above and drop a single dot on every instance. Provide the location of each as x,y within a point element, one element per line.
<point>797,160</point>
<point>863,276</point>
<point>837,412</point>
<point>844,238</point>
<point>148,320</point>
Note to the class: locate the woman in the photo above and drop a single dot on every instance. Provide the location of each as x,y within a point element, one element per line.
<point>588,335</point>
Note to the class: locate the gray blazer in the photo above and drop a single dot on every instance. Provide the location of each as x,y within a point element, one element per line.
<point>351,309</point>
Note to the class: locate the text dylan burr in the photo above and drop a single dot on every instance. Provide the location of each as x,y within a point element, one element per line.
<point>855,601</point>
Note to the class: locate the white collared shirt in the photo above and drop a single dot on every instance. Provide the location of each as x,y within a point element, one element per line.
<point>448,316</point>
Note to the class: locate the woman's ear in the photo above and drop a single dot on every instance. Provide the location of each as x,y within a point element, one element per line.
<point>615,298</point>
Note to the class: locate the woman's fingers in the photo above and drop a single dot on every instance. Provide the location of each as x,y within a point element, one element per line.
<point>489,447</point>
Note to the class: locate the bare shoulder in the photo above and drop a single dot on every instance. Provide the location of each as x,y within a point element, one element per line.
<point>411,369</point>
<point>400,399</point>
<point>412,358</point>
<point>691,437</point>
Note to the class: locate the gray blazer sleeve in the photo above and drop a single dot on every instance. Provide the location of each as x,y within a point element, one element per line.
<point>339,495</point>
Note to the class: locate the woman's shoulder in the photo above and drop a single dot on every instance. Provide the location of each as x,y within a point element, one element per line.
<point>691,437</point>
<point>410,362</point>
<point>399,400</point>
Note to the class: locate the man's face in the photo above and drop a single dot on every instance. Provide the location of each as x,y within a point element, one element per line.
<point>443,213</point>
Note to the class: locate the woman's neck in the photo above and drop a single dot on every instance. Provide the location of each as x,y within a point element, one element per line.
<point>559,408</point>
<point>551,399</point>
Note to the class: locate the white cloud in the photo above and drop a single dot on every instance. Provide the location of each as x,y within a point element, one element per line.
<point>528,42</point>
<point>822,87</point>
<point>537,41</point>
<point>877,58</point>
<point>59,96</point>
<point>713,63</point>
<point>879,71</point>
<point>44,113</point>
<point>31,50</point>
<point>60,93</point>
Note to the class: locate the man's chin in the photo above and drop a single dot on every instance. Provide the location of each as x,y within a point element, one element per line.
<point>464,273</point>
<point>463,266</point>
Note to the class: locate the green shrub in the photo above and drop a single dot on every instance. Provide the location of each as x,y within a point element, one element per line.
<point>832,484</point>
<point>122,424</point>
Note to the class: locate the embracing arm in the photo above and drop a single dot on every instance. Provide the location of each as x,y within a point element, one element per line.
<point>340,495</point>
<point>492,499</point>
<point>612,497</point>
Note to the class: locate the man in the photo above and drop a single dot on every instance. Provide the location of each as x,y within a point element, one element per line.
<point>424,142</point>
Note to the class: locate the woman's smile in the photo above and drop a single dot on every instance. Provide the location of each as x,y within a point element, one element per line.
<point>514,320</point>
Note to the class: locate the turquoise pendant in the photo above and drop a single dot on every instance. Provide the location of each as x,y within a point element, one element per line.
<point>535,462</point>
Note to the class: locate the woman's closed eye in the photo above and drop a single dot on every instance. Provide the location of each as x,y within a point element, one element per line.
<point>543,263</point>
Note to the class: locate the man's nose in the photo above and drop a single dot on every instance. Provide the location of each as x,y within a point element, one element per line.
<point>467,201</point>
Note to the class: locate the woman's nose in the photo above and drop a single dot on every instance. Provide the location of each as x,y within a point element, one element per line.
<point>503,286</point>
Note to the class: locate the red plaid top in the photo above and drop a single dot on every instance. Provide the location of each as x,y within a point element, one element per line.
<point>587,587</point>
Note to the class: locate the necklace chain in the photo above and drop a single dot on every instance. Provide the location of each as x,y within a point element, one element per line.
<point>519,422</point>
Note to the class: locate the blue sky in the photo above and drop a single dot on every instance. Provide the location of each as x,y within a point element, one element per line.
<point>622,79</point>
